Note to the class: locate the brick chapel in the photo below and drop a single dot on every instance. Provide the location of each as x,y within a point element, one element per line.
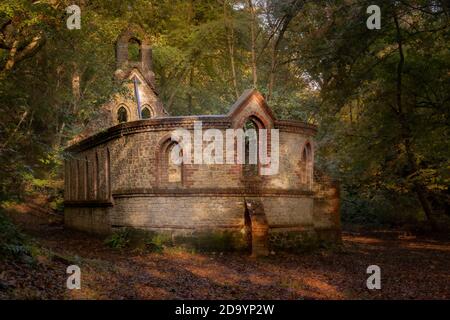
<point>119,173</point>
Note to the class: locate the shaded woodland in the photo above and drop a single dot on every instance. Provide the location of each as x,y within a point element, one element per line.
<point>381,98</point>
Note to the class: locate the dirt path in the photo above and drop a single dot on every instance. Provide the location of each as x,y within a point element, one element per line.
<point>411,269</point>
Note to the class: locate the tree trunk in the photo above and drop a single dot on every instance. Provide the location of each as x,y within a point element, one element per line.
<point>189,94</point>
<point>419,188</point>
<point>230,42</point>
<point>253,44</point>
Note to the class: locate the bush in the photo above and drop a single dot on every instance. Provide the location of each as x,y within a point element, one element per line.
<point>138,239</point>
<point>12,242</point>
<point>119,239</point>
<point>380,209</point>
<point>150,241</point>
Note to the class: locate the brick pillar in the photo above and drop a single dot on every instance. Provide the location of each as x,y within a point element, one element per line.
<point>146,56</point>
<point>121,53</point>
<point>326,215</point>
<point>260,227</point>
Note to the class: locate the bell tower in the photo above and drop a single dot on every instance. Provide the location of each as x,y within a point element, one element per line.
<point>128,40</point>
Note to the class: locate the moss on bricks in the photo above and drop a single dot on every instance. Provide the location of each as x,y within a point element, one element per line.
<point>218,241</point>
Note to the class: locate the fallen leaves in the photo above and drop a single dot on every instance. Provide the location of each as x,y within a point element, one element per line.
<point>411,268</point>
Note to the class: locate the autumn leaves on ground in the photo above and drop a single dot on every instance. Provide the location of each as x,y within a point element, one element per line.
<point>412,268</point>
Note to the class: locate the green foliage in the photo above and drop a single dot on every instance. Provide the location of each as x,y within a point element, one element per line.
<point>12,242</point>
<point>138,239</point>
<point>158,242</point>
<point>150,241</point>
<point>384,123</point>
<point>119,239</point>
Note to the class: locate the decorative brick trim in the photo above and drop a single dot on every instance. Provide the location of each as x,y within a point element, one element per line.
<point>296,127</point>
<point>171,123</point>
<point>178,227</point>
<point>231,192</point>
<point>89,203</point>
<point>150,125</point>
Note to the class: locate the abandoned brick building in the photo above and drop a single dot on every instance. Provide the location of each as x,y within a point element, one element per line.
<point>120,174</point>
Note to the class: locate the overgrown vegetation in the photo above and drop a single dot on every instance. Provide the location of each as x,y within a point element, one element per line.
<point>139,240</point>
<point>150,241</point>
<point>13,243</point>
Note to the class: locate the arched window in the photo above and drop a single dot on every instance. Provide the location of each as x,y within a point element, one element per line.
<point>108,174</point>
<point>173,169</point>
<point>77,180</point>
<point>146,113</point>
<point>250,168</point>
<point>86,179</point>
<point>134,50</point>
<point>171,172</point>
<point>122,115</point>
<point>96,177</point>
<point>307,165</point>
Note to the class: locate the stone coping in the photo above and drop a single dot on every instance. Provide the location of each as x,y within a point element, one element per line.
<point>168,193</point>
<point>174,122</point>
<point>89,203</point>
<point>234,192</point>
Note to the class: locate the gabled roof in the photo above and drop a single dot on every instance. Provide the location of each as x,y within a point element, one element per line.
<point>246,97</point>
<point>141,76</point>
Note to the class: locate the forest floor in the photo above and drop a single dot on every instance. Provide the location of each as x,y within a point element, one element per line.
<point>411,268</point>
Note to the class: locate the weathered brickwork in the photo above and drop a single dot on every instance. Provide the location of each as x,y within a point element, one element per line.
<point>122,177</point>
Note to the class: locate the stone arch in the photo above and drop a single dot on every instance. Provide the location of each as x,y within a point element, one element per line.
<point>306,164</point>
<point>259,121</point>
<point>133,35</point>
<point>96,176</point>
<point>87,186</point>
<point>307,152</point>
<point>249,168</point>
<point>147,112</point>
<point>108,174</point>
<point>169,173</point>
<point>77,181</point>
<point>122,113</point>
<point>134,53</point>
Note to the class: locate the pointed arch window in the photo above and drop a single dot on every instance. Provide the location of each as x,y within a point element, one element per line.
<point>173,169</point>
<point>146,112</point>
<point>307,165</point>
<point>134,50</point>
<point>250,168</point>
<point>252,165</point>
<point>122,114</point>
<point>171,172</point>
<point>96,177</point>
<point>108,174</point>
